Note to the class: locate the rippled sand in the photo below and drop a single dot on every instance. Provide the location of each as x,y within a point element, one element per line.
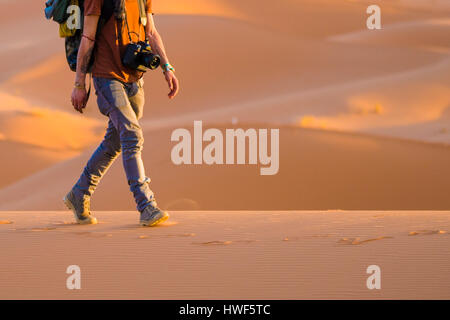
<point>227,255</point>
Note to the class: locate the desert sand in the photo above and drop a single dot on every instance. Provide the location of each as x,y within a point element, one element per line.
<point>222,255</point>
<point>364,119</point>
<point>319,170</point>
<point>355,95</point>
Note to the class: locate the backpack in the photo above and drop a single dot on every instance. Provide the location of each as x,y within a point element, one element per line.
<point>63,10</point>
<point>69,14</point>
<point>72,43</point>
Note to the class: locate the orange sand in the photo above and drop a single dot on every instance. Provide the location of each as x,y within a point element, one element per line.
<point>364,123</point>
<point>223,255</point>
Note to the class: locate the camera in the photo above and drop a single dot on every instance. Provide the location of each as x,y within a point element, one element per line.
<point>139,56</point>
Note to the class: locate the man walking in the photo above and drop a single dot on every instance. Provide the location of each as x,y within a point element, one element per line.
<point>120,97</point>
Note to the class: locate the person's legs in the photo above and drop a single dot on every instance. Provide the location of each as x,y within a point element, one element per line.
<point>151,215</point>
<point>99,162</point>
<point>121,103</point>
<point>78,199</point>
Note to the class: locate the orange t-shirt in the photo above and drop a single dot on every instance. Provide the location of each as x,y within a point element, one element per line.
<point>109,48</point>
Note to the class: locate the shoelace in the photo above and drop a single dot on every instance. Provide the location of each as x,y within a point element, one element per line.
<point>154,206</point>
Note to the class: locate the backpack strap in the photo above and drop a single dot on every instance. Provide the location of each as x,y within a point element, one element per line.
<point>143,12</point>
<point>106,13</point>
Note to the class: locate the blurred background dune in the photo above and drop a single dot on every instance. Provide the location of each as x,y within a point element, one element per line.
<point>363,114</point>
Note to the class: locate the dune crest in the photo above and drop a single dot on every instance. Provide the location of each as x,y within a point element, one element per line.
<point>294,76</point>
<point>429,35</point>
<point>400,101</point>
<point>50,66</point>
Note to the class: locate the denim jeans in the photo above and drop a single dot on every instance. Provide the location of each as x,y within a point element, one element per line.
<point>123,104</point>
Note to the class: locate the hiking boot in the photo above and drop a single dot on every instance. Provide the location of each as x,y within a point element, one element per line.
<point>152,215</point>
<point>80,207</point>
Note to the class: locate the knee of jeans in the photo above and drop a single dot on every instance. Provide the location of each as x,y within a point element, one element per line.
<point>132,141</point>
<point>111,148</point>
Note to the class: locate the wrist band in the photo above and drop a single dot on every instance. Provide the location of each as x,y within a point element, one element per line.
<point>168,67</point>
<point>79,86</point>
<point>88,38</point>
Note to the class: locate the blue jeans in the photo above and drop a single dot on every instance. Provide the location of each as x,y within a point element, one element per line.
<point>123,104</point>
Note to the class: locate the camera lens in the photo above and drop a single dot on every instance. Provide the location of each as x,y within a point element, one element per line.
<point>151,61</point>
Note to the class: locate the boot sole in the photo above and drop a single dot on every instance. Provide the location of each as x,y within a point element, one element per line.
<point>160,220</point>
<point>91,220</point>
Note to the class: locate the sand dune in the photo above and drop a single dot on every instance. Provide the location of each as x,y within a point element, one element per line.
<point>34,137</point>
<point>310,67</point>
<point>411,104</point>
<point>318,170</point>
<point>49,129</point>
<point>392,105</point>
<point>27,38</point>
<point>258,255</point>
<point>435,5</point>
<point>263,65</point>
<point>20,160</point>
<point>432,35</point>
<point>350,104</point>
<point>324,18</point>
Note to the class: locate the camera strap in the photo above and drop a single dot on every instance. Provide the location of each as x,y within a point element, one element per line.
<point>142,12</point>
<point>142,19</point>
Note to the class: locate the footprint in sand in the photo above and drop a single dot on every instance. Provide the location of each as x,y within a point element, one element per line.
<point>329,235</point>
<point>426,232</point>
<point>225,243</point>
<point>65,223</point>
<point>6,222</point>
<point>219,243</point>
<point>357,241</point>
<point>42,229</point>
<point>170,235</point>
<point>290,239</point>
<point>182,235</point>
<point>246,241</point>
<point>94,234</point>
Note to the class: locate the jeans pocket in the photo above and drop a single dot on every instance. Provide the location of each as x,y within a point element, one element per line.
<point>136,87</point>
<point>111,95</point>
<point>102,102</point>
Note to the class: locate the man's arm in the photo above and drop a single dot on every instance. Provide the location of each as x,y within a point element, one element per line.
<point>85,51</point>
<point>158,47</point>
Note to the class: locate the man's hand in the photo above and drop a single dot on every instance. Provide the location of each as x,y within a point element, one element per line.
<point>173,83</point>
<point>79,94</point>
<point>157,45</point>
<point>79,97</point>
